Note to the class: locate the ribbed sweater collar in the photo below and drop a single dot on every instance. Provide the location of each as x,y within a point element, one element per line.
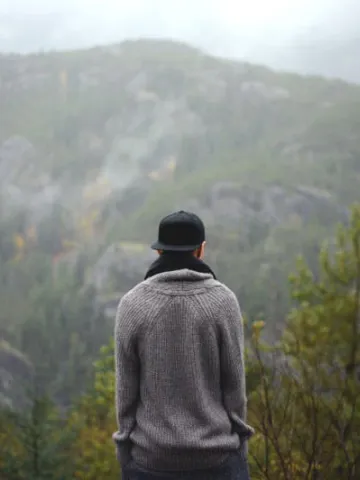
<point>182,281</point>
<point>170,262</point>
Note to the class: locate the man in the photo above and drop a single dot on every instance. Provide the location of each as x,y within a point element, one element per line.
<point>180,376</point>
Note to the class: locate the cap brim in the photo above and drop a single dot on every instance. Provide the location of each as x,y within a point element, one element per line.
<point>174,248</point>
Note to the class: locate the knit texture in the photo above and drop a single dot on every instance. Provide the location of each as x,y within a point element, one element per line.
<point>180,377</point>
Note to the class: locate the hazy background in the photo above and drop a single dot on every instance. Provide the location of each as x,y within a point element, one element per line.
<point>97,145</point>
<point>293,34</point>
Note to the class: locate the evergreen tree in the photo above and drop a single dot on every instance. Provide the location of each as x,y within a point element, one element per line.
<point>94,418</point>
<point>306,407</point>
<point>38,446</point>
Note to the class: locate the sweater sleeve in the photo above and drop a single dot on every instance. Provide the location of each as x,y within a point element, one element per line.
<point>233,366</point>
<point>127,377</point>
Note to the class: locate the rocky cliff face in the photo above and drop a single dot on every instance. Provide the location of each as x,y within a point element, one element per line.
<point>22,182</point>
<point>113,125</point>
<point>15,372</point>
<point>96,145</point>
<point>227,203</point>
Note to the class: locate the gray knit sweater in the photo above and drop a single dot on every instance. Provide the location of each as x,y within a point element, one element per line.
<point>180,377</point>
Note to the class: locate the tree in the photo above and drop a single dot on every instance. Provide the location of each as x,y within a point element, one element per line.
<point>61,334</point>
<point>94,418</point>
<point>306,407</point>
<point>38,447</point>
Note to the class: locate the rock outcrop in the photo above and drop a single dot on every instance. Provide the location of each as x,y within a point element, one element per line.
<point>229,204</point>
<point>15,372</point>
<point>124,263</point>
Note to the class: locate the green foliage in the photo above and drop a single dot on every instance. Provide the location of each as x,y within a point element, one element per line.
<point>38,447</point>
<point>306,406</point>
<point>61,335</point>
<point>50,317</point>
<point>94,417</point>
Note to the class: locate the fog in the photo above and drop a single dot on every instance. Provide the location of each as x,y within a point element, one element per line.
<point>96,147</point>
<point>277,32</point>
<point>215,24</point>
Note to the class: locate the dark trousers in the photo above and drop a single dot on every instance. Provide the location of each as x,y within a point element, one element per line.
<point>234,468</point>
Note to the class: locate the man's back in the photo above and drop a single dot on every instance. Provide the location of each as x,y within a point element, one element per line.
<point>180,379</point>
<point>179,358</point>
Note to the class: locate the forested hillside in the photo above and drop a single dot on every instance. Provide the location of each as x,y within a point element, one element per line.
<point>96,145</point>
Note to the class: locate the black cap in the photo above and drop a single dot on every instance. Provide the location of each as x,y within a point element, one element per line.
<point>180,232</point>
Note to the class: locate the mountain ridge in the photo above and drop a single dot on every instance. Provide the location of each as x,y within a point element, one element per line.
<point>96,145</point>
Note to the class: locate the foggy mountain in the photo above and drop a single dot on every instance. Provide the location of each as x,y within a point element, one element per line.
<point>297,36</point>
<point>97,144</point>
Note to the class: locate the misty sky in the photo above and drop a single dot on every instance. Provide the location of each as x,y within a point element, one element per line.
<point>260,30</point>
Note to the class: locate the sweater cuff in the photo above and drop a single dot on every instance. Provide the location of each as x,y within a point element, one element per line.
<point>123,452</point>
